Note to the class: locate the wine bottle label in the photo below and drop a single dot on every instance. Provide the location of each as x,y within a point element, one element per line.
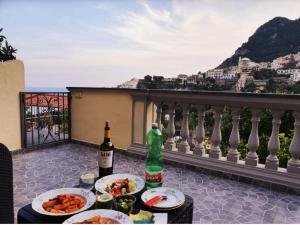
<point>105,159</point>
<point>154,177</point>
<point>107,133</point>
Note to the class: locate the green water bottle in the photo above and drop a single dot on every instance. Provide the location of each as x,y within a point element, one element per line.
<point>154,162</point>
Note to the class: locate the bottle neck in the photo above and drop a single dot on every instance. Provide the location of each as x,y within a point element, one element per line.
<point>107,134</point>
<point>106,139</point>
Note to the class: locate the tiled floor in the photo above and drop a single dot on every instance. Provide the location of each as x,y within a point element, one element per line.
<point>216,200</point>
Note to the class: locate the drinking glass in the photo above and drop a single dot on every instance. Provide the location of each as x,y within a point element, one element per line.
<point>104,201</point>
<point>87,181</point>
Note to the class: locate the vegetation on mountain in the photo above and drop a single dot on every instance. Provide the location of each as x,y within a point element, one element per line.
<point>157,82</point>
<point>292,64</point>
<point>7,52</point>
<point>275,83</point>
<point>295,89</point>
<point>249,87</point>
<point>264,74</point>
<point>278,37</point>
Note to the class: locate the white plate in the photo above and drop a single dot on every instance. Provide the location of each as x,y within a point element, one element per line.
<point>89,197</point>
<point>111,214</point>
<point>174,199</point>
<point>102,183</point>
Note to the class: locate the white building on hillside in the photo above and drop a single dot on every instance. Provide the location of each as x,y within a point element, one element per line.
<point>264,65</point>
<point>279,62</point>
<point>221,74</point>
<point>215,73</point>
<point>297,57</point>
<point>230,75</point>
<point>293,73</point>
<point>246,66</point>
<point>129,84</point>
<point>169,79</point>
<point>295,76</point>
<point>288,71</point>
<point>182,76</point>
<point>192,79</point>
<point>232,69</point>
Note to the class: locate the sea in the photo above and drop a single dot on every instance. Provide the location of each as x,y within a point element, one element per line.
<point>46,89</point>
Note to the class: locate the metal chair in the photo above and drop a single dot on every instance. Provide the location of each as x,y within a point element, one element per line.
<point>6,186</point>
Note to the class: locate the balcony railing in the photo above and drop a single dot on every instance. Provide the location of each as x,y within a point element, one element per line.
<point>132,112</point>
<point>151,102</point>
<point>45,118</point>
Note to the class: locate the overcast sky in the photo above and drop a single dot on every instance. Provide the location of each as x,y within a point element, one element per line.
<point>104,43</point>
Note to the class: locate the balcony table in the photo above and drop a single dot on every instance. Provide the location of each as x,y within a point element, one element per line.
<point>181,215</point>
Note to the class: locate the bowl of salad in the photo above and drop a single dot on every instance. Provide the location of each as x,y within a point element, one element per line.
<point>120,184</point>
<point>125,203</point>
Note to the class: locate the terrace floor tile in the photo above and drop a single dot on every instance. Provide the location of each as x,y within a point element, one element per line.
<point>216,200</point>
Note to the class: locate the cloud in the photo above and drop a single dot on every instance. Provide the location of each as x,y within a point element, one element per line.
<point>197,28</point>
<point>103,5</point>
<point>185,30</point>
<point>116,40</point>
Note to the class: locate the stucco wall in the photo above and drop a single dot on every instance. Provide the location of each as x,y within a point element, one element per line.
<point>150,116</point>
<point>11,83</point>
<point>90,110</point>
<point>138,122</point>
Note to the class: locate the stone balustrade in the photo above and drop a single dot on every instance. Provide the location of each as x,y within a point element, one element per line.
<point>132,112</point>
<point>216,102</point>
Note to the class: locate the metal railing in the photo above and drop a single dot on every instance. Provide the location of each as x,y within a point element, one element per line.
<point>45,117</point>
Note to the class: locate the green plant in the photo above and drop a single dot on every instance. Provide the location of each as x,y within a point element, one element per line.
<point>242,149</point>
<point>262,150</point>
<point>284,153</point>
<point>265,130</point>
<point>226,128</point>
<point>164,135</point>
<point>7,52</point>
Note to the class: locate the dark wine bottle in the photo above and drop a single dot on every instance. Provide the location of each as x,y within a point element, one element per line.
<point>106,154</point>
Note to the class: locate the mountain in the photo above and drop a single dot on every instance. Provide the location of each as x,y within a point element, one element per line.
<point>278,37</point>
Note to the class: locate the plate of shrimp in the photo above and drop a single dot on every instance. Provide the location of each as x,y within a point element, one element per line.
<point>63,201</point>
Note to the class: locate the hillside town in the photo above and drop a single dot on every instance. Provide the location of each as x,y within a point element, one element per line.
<point>234,78</point>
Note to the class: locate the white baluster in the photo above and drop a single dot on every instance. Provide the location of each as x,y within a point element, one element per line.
<point>200,132</point>
<point>158,114</point>
<point>234,139</point>
<point>216,136</point>
<point>184,132</point>
<point>274,143</point>
<point>253,141</point>
<point>294,163</point>
<point>170,143</point>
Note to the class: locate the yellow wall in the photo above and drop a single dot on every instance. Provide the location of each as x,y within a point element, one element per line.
<point>11,83</point>
<point>138,122</point>
<point>150,116</point>
<point>90,110</point>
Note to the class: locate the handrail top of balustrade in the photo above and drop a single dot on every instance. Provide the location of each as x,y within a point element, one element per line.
<point>172,91</point>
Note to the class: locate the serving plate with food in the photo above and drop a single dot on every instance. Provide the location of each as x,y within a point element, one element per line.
<point>120,184</point>
<point>99,216</point>
<point>63,201</point>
